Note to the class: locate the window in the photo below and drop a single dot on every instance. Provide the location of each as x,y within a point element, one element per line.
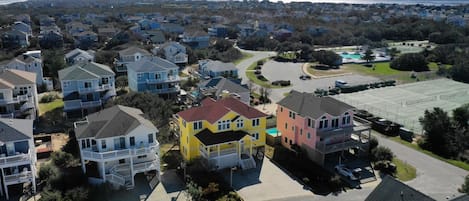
<point>83,145</point>
<point>103,144</point>
<point>323,123</point>
<point>291,142</point>
<point>346,118</point>
<point>105,80</point>
<point>197,125</point>
<point>87,84</point>
<point>286,139</point>
<point>159,86</point>
<point>184,123</point>
<point>286,125</point>
<point>326,123</point>
<point>157,76</point>
<point>121,161</point>
<point>142,156</point>
<point>293,128</point>
<point>335,123</point>
<point>132,141</point>
<point>255,136</point>
<point>224,125</point>
<point>65,84</point>
<point>301,131</point>
<point>281,109</point>
<point>150,138</point>
<point>23,90</point>
<point>291,114</point>
<point>240,123</point>
<point>255,122</point>
<point>309,135</point>
<point>309,122</point>
<point>139,76</point>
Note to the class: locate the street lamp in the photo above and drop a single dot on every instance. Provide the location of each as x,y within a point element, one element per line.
<point>231,175</point>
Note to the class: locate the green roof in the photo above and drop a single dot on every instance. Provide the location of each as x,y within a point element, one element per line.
<point>84,71</point>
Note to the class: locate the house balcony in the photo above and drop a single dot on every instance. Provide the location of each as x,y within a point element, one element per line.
<point>160,81</point>
<point>22,177</point>
<point>174,89</point>
<point>15,160</point>
<point>359,125</point>
<point>137,167</point>
<point>89,154</point>
<point>99,88</point>
<point>224,158</point>
<point>17,99</point>
<point>79,104</point>
<point>339,146</point>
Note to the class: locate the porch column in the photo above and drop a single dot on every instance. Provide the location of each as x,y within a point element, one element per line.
<point>218,154</point>
<point>1,189</point>
<point>132,171</point>
<point>103,171</point>
<point>250,147</point>
<point>239,150</point>
<point>4,185</point>
<point>207,149</point>
<point>33,173</point>
<point>83,167</point>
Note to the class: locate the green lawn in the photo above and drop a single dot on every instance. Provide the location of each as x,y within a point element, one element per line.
<point>288,55</point>
<point>405,172</point>
<point>460,164</point>
<point>244,57</point>
<point>46,107</point>
<point>253,77</point>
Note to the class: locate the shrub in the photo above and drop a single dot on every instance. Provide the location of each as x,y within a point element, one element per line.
<point>63,159</point>
<point>48,172</point>
<point>77,194</point>
<point>48,98</point>
<point>257,72</point>
<point>262,78</point>
<point>410,61</point>
<point>373,143</point>
<point>260,63</point>
<point>281,83</point>
<point>381,153</point>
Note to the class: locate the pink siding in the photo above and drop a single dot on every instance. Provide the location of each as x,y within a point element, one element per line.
<point>301,123</point>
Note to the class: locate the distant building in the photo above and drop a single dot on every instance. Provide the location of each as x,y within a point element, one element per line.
<point>15,39</point>
<point>27,63</point>
<point>78,56</point>
<point>130,55</point>
<point>23,27</point>
<point>220,87</point>
<point>220,31</point>
<point>196,39</point>
<point>210,68</point>
<point>175,52</point>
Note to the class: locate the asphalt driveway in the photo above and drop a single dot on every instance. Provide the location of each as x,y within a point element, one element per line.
<point>267,182</point>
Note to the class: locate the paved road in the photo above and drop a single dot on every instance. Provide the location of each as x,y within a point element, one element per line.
<point>435,178</point>
<point>257,55</point>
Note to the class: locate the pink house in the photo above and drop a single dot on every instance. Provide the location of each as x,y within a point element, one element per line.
<point>320,125</point>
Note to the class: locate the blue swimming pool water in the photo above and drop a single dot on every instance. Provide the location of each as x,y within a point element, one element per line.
<point>273,131</point>
<point>350,56</point>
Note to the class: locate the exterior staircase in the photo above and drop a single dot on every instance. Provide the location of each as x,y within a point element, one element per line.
<point>123,174</point>
<point>247,162</point>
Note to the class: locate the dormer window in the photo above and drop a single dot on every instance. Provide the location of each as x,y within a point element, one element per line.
<point>292,115</point>
<point>346,119</point>
<point>335,123</point>
<point>323,123</point>
<point>197,125</point>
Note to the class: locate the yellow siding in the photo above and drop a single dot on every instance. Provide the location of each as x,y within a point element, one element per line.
<point>191,144</point>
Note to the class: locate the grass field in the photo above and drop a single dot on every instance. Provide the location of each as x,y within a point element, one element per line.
<point>46,107</point>
<point>405,172</point>
<point>383,70</point>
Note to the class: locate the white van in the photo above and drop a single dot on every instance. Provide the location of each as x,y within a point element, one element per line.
<point>340,83</point>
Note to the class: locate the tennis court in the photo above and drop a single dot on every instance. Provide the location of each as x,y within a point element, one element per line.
<point>406,103</point>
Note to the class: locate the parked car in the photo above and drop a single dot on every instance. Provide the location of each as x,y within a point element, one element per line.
<point>348,172</point>
<point>305,77</point>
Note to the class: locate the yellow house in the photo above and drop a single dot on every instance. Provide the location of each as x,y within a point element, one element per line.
<point>223,133</point>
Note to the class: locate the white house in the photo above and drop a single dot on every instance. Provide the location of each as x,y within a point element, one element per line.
<point>116,144</point>
<point>78,55</point>
<point>17,154</point>
<point>18,94</point>
<point>130,55</point>
<point>175,53</point>
<point>29,61</point>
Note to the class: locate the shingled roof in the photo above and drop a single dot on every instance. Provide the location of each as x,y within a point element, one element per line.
<point>151,65</point>
<point>10,78</point>
<point>83,71</point>
<point>212,111</point>
<point>208,138</point>
<point>391,189</point>
<point>112,122</point>
<point>15,129</point>
<point>307,104</point>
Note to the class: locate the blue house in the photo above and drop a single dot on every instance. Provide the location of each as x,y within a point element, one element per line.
<point>146,24</point>
<point>154,75</point>
<point>220,31</point>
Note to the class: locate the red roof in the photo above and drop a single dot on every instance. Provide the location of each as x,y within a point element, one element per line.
<point>212,111</point>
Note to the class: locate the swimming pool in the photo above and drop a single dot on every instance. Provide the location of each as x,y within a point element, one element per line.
<point>273,132</point>
<point>346,55</point>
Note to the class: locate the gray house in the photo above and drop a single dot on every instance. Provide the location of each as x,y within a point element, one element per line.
<point>210,68</point>
<point>221,87</point>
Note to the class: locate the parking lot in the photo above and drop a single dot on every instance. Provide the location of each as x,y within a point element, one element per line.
<point>273,71</point>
